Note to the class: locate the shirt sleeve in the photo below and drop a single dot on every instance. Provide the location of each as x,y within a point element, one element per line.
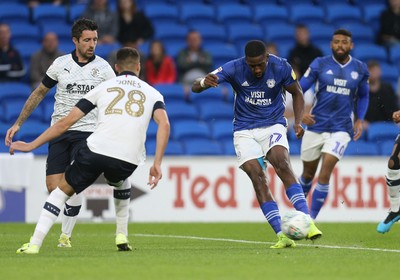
<point>224,72</point>
<point>85,105</point>
<point>310,76</point>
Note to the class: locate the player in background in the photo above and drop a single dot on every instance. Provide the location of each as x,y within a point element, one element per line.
<point>74,74</point>
<point>393,183</point>
<point>117,146</point>
<point>259,81</point>
<point>340,79</point>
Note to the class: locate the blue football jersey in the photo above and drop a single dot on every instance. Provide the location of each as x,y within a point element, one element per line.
<point>336,91</point>
<point>259,102</point>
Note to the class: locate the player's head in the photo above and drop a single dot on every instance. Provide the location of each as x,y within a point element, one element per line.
<point>5,35</point>
<point>256,57</point>
<point>84,36</point>
<point>128,59</point>
<point>341,44</point>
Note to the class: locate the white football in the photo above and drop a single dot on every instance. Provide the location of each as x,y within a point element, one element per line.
<point>295,225</point>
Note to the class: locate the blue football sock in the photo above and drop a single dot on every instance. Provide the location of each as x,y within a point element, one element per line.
<point>306,185</point>
<point>297,198</point>
<point>318,198</point>
<point>271,213</point>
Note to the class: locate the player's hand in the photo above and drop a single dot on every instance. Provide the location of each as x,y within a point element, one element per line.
<point>396,116</point>
<point>358,129</point>
<point>308,119</point>
<point>155,176</point>
<point>10,134</point>
<point>20,146</point>
<point>211,80</point>
<point>298,130</point>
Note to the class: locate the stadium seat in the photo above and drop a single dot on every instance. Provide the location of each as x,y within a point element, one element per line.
<point>244,32</point>
<point>386,148</point>
<point>211,94</point>
<point>151,131</point>
<point>171,32</point>
<point>14,13</point>
<point>104,50</point>
<point>222,130</point>
<point>227,147</point>
<point>211,32</point>
<point>201,147</point>
<point>75,12</point>
<point>172,92</point>
<point>13,107</point>
<point>173,49</point>
<point>266,14</point>
<point>325,3</point>
<point>221,52</point>
<point>24,33</point>
<point>27,49</point>
<point>14,90</point>
<point>362,34</point>
<point>343,13</point>
<point>174,148</point>
<point>196,13</point>
<point>160,13</point>
<point>180,111</point>
<point>306,14</point>
<point>31,129</point>
<point>382,131</point>
<point>62,29</point>
<point>321,33</point>
<point>394,55</point>
<point>371,14</point>
<point>49,14</point>
<point>186,130</point>
<point>280,33</point>
<point>228,13</point>
<point>362,148</point>
<point>390,73</point>
<point>366,52</point>
<point>215,110</point>
<point>66,47</point>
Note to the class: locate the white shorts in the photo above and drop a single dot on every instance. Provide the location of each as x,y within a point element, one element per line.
<point>313,144</point>
<point>255,143</point>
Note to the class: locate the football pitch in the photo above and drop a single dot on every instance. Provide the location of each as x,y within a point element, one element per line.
<point>202,251</point>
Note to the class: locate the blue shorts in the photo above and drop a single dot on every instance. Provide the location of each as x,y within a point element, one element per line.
<point>88,166</point>
<point>62,151</point>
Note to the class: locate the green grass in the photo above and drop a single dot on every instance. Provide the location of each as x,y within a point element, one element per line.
<point>173,251</point>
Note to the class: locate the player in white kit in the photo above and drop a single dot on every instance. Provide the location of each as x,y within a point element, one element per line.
<point>117,146</point>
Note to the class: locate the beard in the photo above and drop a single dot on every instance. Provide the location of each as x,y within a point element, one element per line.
<point>341,56</point>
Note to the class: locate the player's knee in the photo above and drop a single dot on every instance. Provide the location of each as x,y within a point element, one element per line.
<point>394,162</point>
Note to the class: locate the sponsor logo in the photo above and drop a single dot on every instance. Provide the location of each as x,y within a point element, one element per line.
<point>270,83</point>
<point>245,84</point>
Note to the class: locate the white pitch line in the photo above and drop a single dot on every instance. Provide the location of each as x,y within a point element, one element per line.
<point>260,242</point>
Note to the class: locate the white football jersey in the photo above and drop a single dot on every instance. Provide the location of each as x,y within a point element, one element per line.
<point>125,107</point>
<point>73,82</point>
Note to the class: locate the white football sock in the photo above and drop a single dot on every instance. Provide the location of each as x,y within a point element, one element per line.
<point>394,190</point>
<point>48,216</point>
<point>68,222</point>
<point>122,209</point>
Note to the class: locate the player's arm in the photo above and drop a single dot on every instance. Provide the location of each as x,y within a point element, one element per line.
<point>30,105</point>
<point>298,107</point>
<point>362,106</point>
<point>210,80</point>
<point>161,118</point>
<point>52,132</point>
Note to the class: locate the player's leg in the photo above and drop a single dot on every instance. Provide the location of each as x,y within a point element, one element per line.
<point>311,146</point>
<point>48,216</point>
<point>332,151</point>
<point>393,186</point>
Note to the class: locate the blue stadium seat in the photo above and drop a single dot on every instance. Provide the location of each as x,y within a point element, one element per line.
<point>27,49</point>
<point>321,33</point>
<point>174,148</point>
<point>244,32</point>
<point>186,130</point>
<point>211,94</point>
<point>381,131</point>
<point>201,147</point>
<point>371,14</point>
<point>394,55</point>
<point>228,13</point>
<point>343,13</point>
<point>280,33</point>
<point>160,13</point>
<point>222,130</point>
<point>31,129</point>
<point>386,148</point>
<point>75,12</point>
<point>180,111</point>
<point>362,33</point>
<point>151,131</point>
<point>211,32</point>
<point>221,52</point>
<point>49,14</point>
<point>215,110</point>
<point>390,73</point>
<point>325,3</point>
<point>66,47</point>
<point>270,14</point>
<point>306,14</point>
<point>362,148</point>
<point>14,90</point>
<point>196,13</point>
<point>173,49</point>
<point>62,29</point>
<point>14,13</point>
<point>13,107</point>
<point>365,52</point>
<point>171,32</point>
<point>294,147</point>
<point>227,147</point>
<point>24,33</point>
<point>172,92</point>
<point>104,50</point>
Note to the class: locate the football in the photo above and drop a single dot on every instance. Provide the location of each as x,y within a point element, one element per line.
<point>295,225</point>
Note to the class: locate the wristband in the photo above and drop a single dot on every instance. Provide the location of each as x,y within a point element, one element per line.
<point>202,83</point>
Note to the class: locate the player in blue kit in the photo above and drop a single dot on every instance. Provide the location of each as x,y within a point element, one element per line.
<point>259,81</point>
<point>341,81</point>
